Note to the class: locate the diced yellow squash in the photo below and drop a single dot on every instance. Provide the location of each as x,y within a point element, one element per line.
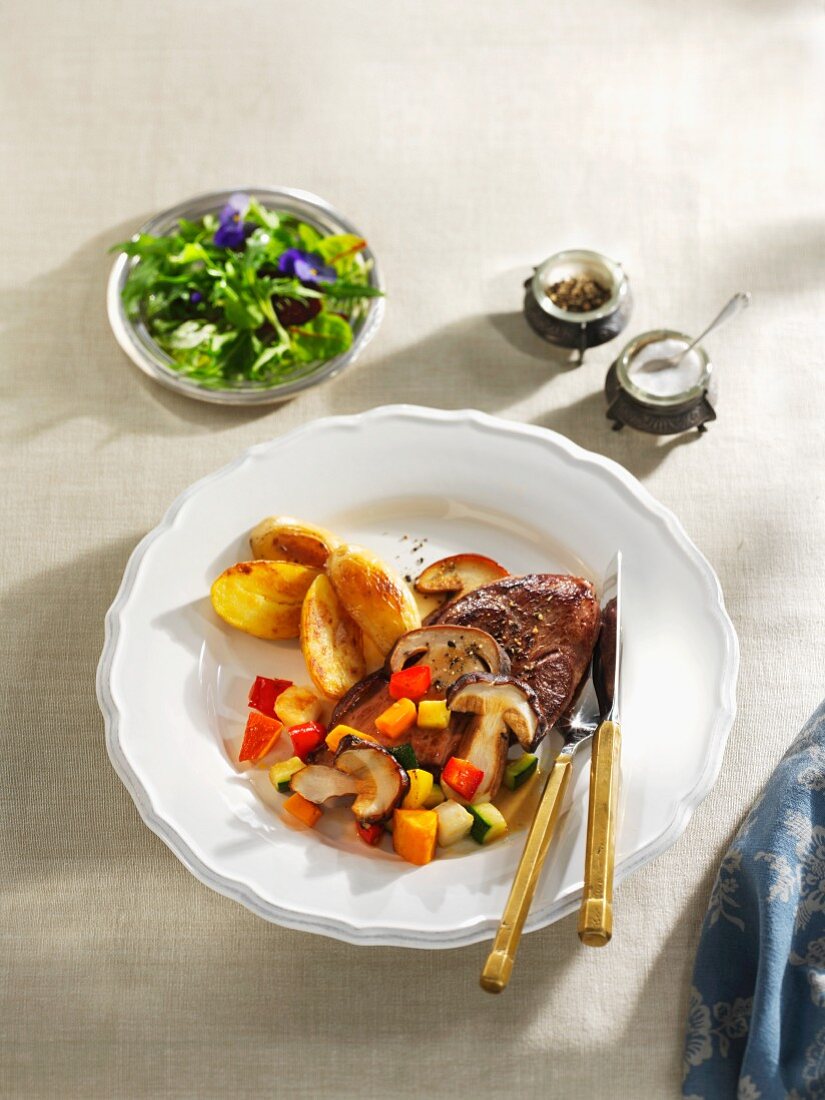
<point>421,785</point>
<point>334,736</point>
<point>433,714</point>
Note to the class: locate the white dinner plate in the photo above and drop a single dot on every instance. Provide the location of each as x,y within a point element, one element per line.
<point>412,484</point>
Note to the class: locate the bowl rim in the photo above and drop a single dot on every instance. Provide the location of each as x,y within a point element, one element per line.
<point>618,291</point>
<point>155,366</point>
<point>662,401</point>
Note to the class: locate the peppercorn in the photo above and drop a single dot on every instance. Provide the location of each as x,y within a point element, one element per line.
<point>578,294</point>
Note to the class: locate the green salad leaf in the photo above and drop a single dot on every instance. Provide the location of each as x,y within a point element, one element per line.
<point>248,296</point>
<point>324,337</point>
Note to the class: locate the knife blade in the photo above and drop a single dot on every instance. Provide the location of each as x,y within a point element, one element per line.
<point>596,913</point>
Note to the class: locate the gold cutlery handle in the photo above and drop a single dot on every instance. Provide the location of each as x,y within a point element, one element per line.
<point>499,965</point>
<point>596,913</point>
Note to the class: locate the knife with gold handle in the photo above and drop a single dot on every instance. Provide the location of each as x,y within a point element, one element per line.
<point>596,913</point>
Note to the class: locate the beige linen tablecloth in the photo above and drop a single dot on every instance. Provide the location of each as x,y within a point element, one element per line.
<point>469,140</point>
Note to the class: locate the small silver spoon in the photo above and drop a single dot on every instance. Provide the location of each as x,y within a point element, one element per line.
<point>737,302</point>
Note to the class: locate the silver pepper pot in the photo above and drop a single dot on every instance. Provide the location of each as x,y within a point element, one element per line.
<point>570,328</point>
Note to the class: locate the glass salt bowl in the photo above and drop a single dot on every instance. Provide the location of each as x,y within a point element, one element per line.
<point>662,402</point>
<point>569,328</point>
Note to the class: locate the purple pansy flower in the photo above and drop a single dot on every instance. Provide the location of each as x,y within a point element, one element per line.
<point>233,230</point>
<point>308,267</point>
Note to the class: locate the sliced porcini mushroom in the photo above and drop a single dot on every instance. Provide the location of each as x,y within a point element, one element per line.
<point>501,706</point>
<point>318,783</point>
<point>380,779</point>
<point>451,652</point>
<point>362,770</point>
<point>458,574</point>
<point>513,700</point>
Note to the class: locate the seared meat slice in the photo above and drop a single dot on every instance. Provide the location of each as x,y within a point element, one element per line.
<point>547,623</point>
<point>450,652</point>
<point>363,703</point>
<point>433,748</point>
<point>366,700</point>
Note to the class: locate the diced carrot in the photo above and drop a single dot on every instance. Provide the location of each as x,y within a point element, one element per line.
<point>260,735</point>
<point>303,809</point>
<point>397,719</point>
<point>414,834</point>
<point>334,736</point>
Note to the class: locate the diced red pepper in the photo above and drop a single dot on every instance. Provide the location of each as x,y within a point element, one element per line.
<point>464,777</point>
<point>260,735</point>
<point>370,834</point>
<point>411,683</point>
<point>307,737</point>
<point>264,692</point>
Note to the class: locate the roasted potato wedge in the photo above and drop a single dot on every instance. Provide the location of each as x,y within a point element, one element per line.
<point>373,657</point>
<point>330,641</point>
<point>263,598</point>
<point>298,704</point>
<point>373,594</point>
<point>284,538</point>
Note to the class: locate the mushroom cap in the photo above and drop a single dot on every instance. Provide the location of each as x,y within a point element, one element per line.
<point>518,705</point>
<point>450,651</point>
<point>381,780</point>
<point>459,573</point>
<point>453,577</point>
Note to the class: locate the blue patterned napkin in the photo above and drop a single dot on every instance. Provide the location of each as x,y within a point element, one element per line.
<point>756,1026</point>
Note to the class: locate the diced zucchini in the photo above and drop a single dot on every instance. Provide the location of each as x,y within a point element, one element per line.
<point>435,797</point>
<point>280,774</point>
<point>421,783</point>
<point>405,755</point>
<point>454,823</point>
<point>488,823</point>
<point>519,771</point>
